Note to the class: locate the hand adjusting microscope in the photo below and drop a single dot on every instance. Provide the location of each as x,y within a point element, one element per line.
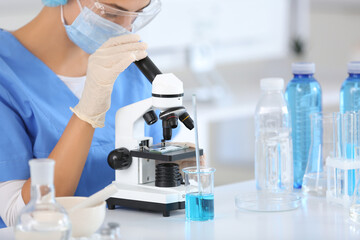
<point>147,176</point>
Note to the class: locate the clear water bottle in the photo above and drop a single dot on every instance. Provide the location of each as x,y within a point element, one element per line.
<point>303,94</point>
<point>350,101</point>
<point>42,218</point>
<point>273,145</point>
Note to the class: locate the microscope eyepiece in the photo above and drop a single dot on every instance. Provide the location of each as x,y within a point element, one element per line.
<point>186,120</point>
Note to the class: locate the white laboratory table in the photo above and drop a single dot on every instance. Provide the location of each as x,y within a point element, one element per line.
<point>315,219</point>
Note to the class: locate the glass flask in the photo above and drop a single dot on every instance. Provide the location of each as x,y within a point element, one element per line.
<point>42,218</point>
<point>322,147</point>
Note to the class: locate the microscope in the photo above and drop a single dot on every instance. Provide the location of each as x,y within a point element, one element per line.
<point>147,175</point>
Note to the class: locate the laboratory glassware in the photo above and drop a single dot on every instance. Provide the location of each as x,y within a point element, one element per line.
<point>354,211</point>
<point>199,199</point>
<point>303,94</point>
<point>265,201</point>
<point>322,146</point>
<point>345,160</point>
<point>350,101</point>
<point>273,145</point>
<point>110,232</point>
<point>42,218</point>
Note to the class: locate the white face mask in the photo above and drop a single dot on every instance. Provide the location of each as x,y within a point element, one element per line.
<point>91,29</point>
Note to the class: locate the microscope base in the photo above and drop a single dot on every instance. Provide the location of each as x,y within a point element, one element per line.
<point>165,208</point>
<point>148,197</point>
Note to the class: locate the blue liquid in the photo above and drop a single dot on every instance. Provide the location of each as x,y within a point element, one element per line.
<point>303,95</point>
<point>350,101</point>
<point>199,207</point>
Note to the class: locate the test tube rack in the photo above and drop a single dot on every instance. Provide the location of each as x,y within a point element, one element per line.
<point>342,176</point>
<point>343,166</point>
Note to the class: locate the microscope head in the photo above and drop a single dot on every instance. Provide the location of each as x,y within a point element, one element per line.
<point>167,91</point>
<point>167,95</point>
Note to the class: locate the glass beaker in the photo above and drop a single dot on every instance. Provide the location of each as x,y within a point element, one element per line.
<point>42,218</point>
<point>199,200</point>
<point>322,146</point>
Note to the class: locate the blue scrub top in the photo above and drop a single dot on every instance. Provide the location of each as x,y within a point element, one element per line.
<point>34,111</point>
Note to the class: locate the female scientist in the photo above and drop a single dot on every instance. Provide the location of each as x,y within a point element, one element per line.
<point>57,80</point>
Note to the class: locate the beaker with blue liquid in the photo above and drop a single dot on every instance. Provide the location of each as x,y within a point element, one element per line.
<point>199,200</point>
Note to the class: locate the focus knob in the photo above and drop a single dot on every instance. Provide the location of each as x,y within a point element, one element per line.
<point>119,159</point>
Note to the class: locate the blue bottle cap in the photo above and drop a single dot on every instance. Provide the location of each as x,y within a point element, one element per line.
<point>354,67</point>
<point>303,68</point>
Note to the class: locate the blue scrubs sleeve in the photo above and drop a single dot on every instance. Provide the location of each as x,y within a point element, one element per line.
<point>15,144</point>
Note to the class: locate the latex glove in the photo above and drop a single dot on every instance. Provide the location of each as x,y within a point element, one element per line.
<point>104,66</point>
<point>189,162</point>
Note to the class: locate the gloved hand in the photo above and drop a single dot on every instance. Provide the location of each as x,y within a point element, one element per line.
<point>104,66</point>
<point>190,162</point>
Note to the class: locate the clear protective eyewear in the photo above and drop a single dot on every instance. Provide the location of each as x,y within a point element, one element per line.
<point>132,21</point>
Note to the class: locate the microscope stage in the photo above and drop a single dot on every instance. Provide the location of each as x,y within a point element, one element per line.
<point>170,156</point>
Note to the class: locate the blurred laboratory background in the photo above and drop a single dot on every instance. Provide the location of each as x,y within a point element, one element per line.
<point>221,50</point>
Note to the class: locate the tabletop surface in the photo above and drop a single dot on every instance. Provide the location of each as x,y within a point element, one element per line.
<point>315,219</point>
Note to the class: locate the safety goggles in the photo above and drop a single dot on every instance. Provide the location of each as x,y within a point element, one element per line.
<point>132,21</point>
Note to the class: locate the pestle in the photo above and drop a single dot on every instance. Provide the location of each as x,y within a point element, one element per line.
<point>96,198</point>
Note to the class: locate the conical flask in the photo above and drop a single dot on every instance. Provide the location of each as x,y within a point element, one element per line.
<point>322,146</point>
<point>42,218</point>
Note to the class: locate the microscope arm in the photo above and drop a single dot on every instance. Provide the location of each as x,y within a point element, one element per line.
<point>129,123</point>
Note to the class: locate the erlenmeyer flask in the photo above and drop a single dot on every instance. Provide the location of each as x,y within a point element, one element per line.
<point>322,145</point>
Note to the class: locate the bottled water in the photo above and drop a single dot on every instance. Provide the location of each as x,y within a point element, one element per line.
<point>350,101</point>
<point>303,94</point>
<point>273,145</point>
<point>42,218</point>
<point>350,89</point>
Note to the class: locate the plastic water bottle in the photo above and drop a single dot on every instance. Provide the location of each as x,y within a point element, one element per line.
<point>350,89</point>
<point>273,145</point>
<point>350,101</point>
<point>303,94</point>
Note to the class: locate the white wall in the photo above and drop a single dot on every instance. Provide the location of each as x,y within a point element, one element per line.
<point>225,24</point>
<point>16,13</point>
<point>237,29</point>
